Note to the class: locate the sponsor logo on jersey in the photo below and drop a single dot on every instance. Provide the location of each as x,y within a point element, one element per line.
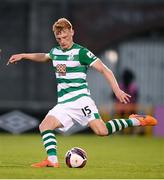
<point>61,69</point>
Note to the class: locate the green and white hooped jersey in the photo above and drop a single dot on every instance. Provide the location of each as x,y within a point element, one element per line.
<point>71,67</point>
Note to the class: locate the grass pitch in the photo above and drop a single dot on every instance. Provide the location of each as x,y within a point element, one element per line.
<point>112,157</point>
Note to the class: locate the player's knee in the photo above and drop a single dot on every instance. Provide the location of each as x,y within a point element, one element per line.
<point>41,126</point>
<point>44,126</point>
<point>49,123</point>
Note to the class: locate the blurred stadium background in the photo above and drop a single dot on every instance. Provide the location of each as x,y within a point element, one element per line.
<point>123,33</point>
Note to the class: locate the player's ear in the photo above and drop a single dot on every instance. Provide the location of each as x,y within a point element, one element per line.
<point>72,32</point>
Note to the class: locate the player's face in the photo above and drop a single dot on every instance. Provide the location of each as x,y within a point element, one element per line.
<point>65,38</point>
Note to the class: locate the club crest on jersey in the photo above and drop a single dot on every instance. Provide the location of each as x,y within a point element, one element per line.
<point>70,57</point>
<point>61,69</point>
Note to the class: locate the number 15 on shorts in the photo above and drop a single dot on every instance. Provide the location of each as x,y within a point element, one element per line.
<point>86,111</point>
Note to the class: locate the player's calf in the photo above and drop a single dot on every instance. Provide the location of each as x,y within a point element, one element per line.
<point>99,127</point>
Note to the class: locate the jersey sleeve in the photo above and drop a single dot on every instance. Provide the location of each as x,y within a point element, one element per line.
<point>86,57</point>
<point>50,54</point>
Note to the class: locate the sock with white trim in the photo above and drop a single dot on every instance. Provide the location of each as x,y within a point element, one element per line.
<point>50,144</point>
<point>119,124</point>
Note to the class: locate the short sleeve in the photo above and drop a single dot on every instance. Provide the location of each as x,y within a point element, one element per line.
<point>86,57</point>
<point>50,54</point>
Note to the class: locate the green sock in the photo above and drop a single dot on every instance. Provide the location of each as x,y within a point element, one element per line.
<point>118,124</point>
<point>49,141</point>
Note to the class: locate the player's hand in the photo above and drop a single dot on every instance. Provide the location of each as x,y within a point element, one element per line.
<point>122,96</point>
<point>15,58</point>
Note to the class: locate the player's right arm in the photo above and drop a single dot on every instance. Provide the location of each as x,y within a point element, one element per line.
<point>37,57</point>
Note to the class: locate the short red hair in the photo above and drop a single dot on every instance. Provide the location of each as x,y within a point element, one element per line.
<point>61,24</point>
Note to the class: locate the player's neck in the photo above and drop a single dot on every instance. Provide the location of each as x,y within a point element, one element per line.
<point>69,47</point>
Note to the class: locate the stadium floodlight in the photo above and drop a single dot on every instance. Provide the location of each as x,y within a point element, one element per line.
<point>111,56</point>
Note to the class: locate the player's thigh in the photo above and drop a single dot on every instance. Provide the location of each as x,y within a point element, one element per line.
<point>50,123</point>
<point>62,119</point>
<point>99,127</point>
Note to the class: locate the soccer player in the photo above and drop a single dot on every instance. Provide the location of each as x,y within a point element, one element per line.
<point>71,61</point>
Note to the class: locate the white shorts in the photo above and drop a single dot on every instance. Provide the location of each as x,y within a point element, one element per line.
<point>81,111</point>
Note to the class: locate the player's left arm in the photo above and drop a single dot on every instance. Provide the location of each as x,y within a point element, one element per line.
<point>109,76</point>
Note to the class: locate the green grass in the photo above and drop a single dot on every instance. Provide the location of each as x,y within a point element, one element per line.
<point>111,157</point>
